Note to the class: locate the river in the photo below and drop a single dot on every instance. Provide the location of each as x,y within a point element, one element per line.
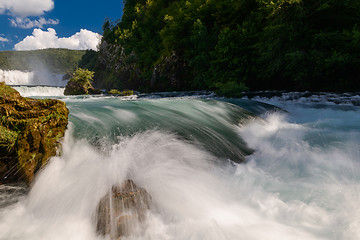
<point>215,169</point>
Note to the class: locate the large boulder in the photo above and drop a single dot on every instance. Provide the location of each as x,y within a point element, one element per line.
<point>30,133</point>
<point>76,88</point>
<point>121,211</point>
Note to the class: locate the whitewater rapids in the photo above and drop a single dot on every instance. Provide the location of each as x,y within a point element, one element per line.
<point>301,181</point>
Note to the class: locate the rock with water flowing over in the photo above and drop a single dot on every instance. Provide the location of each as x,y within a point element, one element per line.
<point>30,133</point>
<point>121,211</point>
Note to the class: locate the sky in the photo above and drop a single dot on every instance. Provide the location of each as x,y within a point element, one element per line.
<point>39,24</point>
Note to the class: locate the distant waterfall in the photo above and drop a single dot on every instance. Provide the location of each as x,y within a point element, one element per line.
<point>32,78</point>
<point>40,91</point>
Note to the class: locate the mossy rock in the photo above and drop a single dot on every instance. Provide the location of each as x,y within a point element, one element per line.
<point>80,83</point>
<point>31,131</point>
<point>114,91</point>
<point>122,93</point>
<point>77,88</point>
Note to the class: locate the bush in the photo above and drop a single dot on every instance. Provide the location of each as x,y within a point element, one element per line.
<point>230,89</point>
<point>82,76</point>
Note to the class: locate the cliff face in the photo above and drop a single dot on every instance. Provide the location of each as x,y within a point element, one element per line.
<point>116,69</point>
<point>112,70</point>
<point>30,134</point>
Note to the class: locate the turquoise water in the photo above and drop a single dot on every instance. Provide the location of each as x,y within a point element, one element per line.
<point>238,169</point>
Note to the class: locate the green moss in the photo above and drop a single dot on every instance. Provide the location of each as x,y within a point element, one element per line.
<point>30,131</point>
<point>6,90</point>
<point>7,137</point>
<point>128,92</point>
<point>123,93</point>
<point>114,91</point>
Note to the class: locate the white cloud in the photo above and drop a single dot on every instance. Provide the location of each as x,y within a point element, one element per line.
<point>25,8</point>
<point>40,39</point>
<point>28,23</point>
<point>3,39</point>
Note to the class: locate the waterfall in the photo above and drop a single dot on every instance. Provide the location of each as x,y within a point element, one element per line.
<point>40,91</point>
<point>34,83</point>
<point>32,78</point>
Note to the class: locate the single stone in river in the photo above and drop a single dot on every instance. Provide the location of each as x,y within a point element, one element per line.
<point>121,211</point>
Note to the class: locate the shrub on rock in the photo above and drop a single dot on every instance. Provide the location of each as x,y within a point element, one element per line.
<point>80,83</point>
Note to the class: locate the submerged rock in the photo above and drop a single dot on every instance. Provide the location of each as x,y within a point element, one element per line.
<point>30,134</point>
<point>121,210</point>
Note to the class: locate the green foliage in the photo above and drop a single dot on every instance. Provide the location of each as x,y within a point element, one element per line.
<point>7,137</point>
<point>230,89</point>
<point>124,93</point>
<point>82,76</point>
<point>114,91</point>
<point>30,131</point>
<point>56,60</point>
<point>53,60</point>
<point>263,44</point>
<point>232,56</point>
<point>88,60</point>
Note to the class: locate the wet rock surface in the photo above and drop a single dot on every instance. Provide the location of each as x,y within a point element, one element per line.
<point>75,88</point>
<point>31,132</point>
<point>11,194</point>
<point>122,210</point>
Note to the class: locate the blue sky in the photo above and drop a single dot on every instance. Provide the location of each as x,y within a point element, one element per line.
<point>24,24</point>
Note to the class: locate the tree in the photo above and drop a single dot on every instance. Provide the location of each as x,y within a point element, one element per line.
<point>82,76</point>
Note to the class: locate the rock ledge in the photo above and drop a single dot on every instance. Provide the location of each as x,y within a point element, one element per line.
<point>30,133</point>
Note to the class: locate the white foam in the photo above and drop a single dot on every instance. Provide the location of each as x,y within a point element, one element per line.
<point>313,177</point>
<point>191,197</point>
<point>40,91</point>
<point>32,78</point>
<point>302,182</point>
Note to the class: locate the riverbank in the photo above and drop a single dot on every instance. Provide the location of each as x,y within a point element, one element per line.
<point>30,134</point>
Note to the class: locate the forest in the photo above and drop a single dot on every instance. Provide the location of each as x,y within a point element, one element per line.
<point>232,45</point>
<point>52,60</point>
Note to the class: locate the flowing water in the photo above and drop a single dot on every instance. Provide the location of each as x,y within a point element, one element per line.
<point>40,91</point>
<point>299,178</point>
<point>39,77</point>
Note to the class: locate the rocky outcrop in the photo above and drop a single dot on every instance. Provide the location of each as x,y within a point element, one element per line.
<point>80,83</point>
<point>30,133</point>
<point>115,68</point>
<point>76,88</point>
<point>122,210</point>
<point>170,73</point>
